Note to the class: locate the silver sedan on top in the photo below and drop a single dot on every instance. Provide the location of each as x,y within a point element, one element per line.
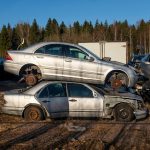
<point>64,61</point>
<point>59,99</point>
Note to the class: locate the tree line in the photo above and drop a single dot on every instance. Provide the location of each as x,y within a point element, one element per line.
<point>137,35</point>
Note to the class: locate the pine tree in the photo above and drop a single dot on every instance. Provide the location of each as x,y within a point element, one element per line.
<point>77,28</point>
<point>9,30</point>
<point>62,30</point>
<point>34,35</point>
<point>15,39</point>
<point>48,29</point>
<point>4,41</point>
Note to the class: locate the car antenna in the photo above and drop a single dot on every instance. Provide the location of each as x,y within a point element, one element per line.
<point>22,42</point>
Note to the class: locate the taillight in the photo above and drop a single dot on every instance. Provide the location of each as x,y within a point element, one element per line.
<point>8,57</point>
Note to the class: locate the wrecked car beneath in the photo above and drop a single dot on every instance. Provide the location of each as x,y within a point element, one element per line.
<point>56,99</point>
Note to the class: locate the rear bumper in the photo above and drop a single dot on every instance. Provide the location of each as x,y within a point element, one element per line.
<point>12,68</point>
<point>12,110</point>
<point>141,114</point>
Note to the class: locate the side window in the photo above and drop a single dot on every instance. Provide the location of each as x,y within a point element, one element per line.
<point>74,52</point>
<point>57,90</point>
<point>78,90</point>
<point>43,93</point>
<point>40,51</point>
<point>52,49</point>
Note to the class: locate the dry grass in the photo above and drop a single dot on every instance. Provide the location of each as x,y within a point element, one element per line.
<point>2,101</point>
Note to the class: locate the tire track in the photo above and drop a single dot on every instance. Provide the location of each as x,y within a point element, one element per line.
<point>24,133</point>
<point>91,139</point>
<point>132,137</point>
<point>13,128</point>
<point>44,140</point>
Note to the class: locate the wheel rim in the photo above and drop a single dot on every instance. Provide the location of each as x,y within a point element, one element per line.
<point>31,79</point>
<point>116,83</point>
<point>34,115</point>
<point>123,113</point>
<point>117,80</point>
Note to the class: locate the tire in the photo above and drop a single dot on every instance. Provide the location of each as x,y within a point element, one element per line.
<point>117,79</point>
<point>123,112</point>
<point>31,74</point>
<point>33,113</point>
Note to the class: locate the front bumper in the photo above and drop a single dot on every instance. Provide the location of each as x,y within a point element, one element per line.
<point>141,114</point>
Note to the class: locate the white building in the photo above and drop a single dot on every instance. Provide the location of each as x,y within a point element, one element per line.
<point>116,50</point>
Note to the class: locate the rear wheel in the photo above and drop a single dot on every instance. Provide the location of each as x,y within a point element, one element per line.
<point>117,79</point>
<point>123,112</point>
<point>31,74</point>
<point>33,113</point>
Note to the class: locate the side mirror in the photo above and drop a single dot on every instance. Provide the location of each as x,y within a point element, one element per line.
<point>107,58</point>
<point>89,58</point>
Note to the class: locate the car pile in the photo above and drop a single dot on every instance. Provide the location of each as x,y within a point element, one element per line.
<point>72,71</point>
<point>141,64</point>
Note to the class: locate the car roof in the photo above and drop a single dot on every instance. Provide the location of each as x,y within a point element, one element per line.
<point>37,87</point>
<point>100,89</point>
<point>32,48</point>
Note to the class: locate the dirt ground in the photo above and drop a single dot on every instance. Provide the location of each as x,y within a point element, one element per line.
<point>71,134</point>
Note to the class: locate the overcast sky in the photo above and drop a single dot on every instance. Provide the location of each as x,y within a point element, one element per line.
<point>16,11</point>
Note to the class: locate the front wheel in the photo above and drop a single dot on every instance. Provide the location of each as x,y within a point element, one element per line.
<point>123,112</point>
<point>117,79</point>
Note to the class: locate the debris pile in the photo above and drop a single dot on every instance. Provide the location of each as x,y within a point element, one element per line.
<point>2,101</point>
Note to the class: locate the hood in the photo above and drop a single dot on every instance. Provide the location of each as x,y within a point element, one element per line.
<point>117,63</point>
<point>126,95</point>
<point>113,63</point>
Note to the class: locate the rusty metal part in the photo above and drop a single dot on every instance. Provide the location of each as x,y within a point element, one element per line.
<point>31,79</point>
<point>116,83</point>
<point>34,114</point>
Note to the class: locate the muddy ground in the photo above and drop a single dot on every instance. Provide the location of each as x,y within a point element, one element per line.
<point>70,134</point>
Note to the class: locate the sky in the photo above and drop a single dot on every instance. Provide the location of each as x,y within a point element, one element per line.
<point>69,11</point>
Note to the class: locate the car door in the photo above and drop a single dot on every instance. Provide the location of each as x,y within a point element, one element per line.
<point>53,97</point>
<point>50,59</point>
<point>77,66</point>
<point>83,102</point>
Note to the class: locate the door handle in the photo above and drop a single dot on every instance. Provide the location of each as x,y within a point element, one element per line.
<point>72,100</point>
<point>68,60</point>
<point>45,101</point>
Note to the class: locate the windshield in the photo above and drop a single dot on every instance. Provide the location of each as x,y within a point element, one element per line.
<point>100,90</point>
<point>89,51</point>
